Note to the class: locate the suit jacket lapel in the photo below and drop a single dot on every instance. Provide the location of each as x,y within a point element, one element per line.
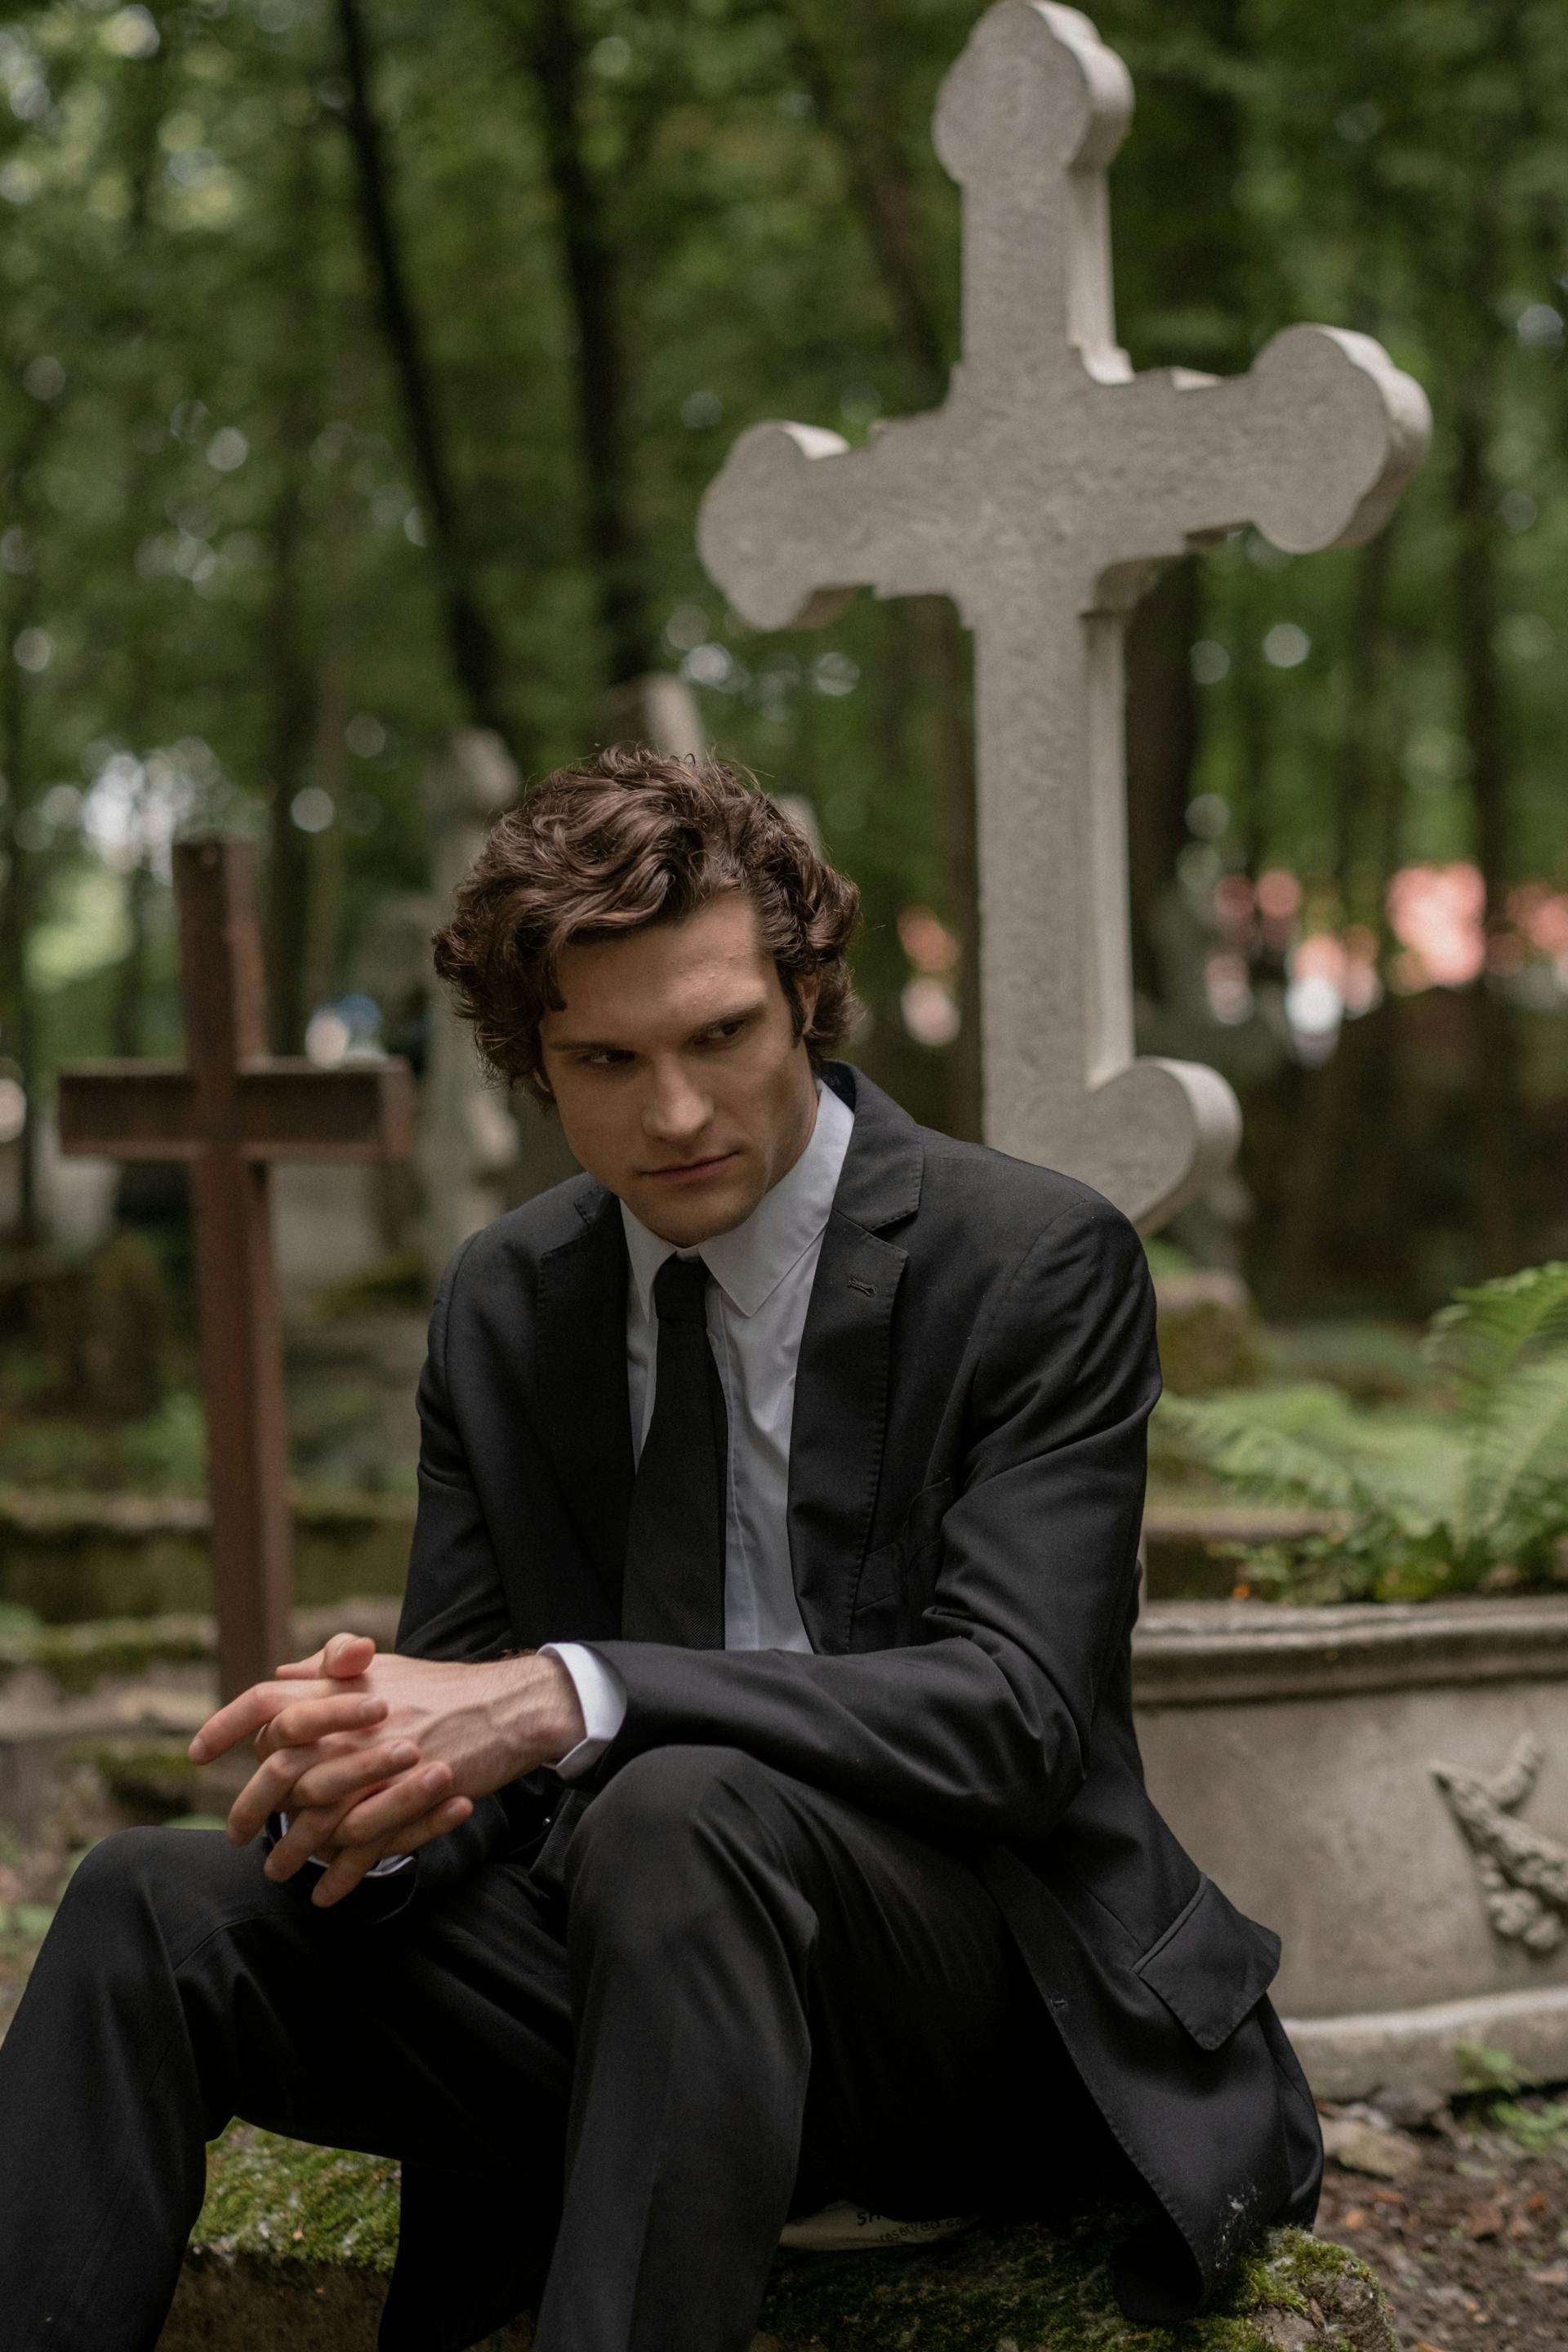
<point>581,1373</point>
<point>844,1372</point>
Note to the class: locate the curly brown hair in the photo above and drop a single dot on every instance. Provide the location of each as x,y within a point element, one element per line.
<point>621,841</point>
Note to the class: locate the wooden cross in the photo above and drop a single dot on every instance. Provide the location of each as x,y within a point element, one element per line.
<point>1040,495</point>
<point>229,1111</point>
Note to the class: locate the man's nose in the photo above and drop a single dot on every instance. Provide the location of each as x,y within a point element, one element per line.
<point>676,1110</point>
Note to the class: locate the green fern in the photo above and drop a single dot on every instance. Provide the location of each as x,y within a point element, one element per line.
<point>1255,1449</point>
<point>1506,1342</point>
<point>1416,1513</point>
<point>1487,1331</point>
<point>1516,1489</point>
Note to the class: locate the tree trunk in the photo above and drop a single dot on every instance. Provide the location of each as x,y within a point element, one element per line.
<point>471,648</point>
<point>290,675</point>
<point>553,48</point>
<point>144,96</point>
<point>1359,871</point>
<point>1498,1078</point>
<point>18,1028</point>
<point>1163,729</point>
<point>18,897</point>
<point>855,109</point>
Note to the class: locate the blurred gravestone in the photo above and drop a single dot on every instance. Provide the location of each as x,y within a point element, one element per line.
<point>1042,496</point>
<point>657,709</point>
<point>477,1153</point>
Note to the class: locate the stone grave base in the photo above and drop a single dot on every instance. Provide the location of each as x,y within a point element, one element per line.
<point>79,1558</point>
<point>1308,1759</point>
<point>294,2246</point>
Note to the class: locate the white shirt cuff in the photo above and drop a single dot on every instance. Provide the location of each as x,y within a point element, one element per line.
<point>601,1694</point>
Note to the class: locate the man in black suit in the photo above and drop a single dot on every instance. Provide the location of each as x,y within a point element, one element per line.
<point>752,1814</point>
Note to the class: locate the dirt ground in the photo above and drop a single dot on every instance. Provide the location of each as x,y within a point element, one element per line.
<point>1464,2218</point>
<point>1471,2242</point>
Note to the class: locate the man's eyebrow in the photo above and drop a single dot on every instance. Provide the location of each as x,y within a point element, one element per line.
<point>613,1045</point>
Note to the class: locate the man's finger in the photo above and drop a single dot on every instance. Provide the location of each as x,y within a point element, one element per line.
<point>310,1831</point>
<point>288,1718</point>
<point>303,1721</point>
<point>341,1876</point>
<point>344,1657</point>
<point>267,1790</point>
<point>237,1721</point>
<point>291,1781</point>
<point>294,1670</point>
<point>395,1806</point>
<point>337,1778</point>
<point>348,1867</point>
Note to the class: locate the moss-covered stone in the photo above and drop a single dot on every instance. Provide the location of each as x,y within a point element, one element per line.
<point>76,1557</point>
<point>147,1780</point>
<point>294,2246</point>
<point>77,1658</point>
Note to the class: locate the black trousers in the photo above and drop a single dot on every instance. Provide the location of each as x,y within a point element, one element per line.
<point>752,1998</point>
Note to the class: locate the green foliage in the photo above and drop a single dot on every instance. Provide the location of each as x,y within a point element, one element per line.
<point>1538,2129</point>
<point>1485,2069</point>
<point>1479,1498</point>
<point>25,1923</point>
<point>163,1453</point>
<point>398,1283</point>
<point>224,585</point>
<point>1496,2078</point>
<point>1374,1362</point>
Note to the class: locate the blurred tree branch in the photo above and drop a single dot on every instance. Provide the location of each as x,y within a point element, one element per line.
<point>548,40</point>
<point>471,645</point>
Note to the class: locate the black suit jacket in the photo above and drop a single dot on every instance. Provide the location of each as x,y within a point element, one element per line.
<point>966,1486</point>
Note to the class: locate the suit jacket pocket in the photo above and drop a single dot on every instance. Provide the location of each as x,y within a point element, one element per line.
<point>1212,1965</point>
<point>896,1581</point>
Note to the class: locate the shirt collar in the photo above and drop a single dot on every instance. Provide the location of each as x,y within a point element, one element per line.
<point>752,1259</point>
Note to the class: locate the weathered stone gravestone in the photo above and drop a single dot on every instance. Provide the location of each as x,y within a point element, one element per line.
<point>1041,496</point>
<point>1387,1787</point>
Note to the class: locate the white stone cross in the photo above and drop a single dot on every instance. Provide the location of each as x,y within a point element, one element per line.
<point>1041,496</point>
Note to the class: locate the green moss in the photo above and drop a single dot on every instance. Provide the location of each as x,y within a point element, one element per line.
<point>298,2204</point>
<point>313,2227</point>
<point>77,1658</point>
<point>1020,2285</point>
<point>76,1558</point>
<point>153,1779</point>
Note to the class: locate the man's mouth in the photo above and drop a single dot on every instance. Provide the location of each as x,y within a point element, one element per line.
<point>677,1171</point>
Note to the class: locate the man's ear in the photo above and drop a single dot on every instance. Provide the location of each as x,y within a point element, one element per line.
<point>807,988</point>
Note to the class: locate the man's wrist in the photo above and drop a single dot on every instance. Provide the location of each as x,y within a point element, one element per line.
<point>540,1716</point>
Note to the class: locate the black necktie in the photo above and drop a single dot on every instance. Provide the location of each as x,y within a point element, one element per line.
<point>674,1588</point>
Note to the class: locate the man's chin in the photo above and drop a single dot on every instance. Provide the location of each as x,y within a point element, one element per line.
<point>694,1212</point>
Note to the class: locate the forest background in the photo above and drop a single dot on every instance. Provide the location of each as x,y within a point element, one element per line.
<point>361,365</point>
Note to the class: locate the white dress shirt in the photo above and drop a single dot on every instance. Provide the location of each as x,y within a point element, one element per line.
<point>763,1272</point>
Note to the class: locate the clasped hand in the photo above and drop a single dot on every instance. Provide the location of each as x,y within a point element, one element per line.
<point>374,1754</point>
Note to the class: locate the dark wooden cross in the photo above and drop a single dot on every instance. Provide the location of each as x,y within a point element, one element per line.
<point>228,1111</point>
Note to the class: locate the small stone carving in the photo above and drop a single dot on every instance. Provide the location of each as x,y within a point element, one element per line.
<point>1524,1875</point>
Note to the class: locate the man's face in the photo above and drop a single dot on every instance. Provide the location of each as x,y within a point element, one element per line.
<point>676,1070</point>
